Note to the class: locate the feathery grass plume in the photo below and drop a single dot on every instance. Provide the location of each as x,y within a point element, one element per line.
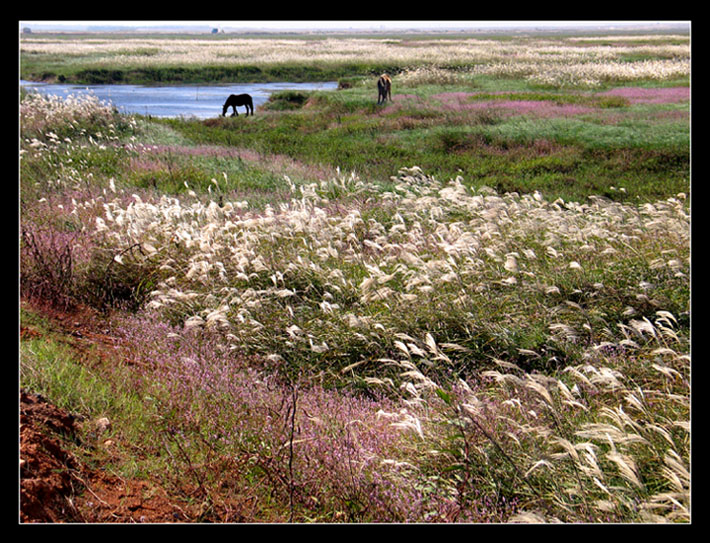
<point>528,517</point>
<point>55,118</point>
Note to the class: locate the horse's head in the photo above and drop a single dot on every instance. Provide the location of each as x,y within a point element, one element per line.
<point>224,109</point>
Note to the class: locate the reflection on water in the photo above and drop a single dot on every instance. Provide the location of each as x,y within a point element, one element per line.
<point>174,101</point>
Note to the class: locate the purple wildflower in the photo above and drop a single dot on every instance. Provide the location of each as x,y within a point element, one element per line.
<point>640,95</point>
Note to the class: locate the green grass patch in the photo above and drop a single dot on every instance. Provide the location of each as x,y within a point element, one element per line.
<point>51,367</point>
<point>345,129</point>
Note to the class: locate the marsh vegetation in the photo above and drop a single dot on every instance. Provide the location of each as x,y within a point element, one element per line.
<point>471,304</point>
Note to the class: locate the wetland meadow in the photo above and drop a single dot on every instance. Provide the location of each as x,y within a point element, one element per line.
<point>470,304</point>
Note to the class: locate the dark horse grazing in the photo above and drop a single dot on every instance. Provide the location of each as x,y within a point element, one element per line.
<point>235,100</point>
<point>384,89</point>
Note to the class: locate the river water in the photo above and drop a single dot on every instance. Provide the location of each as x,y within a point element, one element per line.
<point>175,101</point>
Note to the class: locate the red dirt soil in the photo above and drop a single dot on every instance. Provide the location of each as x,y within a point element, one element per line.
<point>55,487</point>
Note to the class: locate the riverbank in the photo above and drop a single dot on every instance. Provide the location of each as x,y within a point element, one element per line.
<point>204,75</point>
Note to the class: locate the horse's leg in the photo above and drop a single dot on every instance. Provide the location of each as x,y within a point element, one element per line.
<point>235,114</point>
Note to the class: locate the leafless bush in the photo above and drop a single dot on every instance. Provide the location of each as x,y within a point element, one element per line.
<point>46,265</point>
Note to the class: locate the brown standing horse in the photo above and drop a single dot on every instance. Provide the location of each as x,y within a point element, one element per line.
<point>384,89</point>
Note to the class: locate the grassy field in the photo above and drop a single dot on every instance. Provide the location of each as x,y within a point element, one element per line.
<point>470,304</point>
